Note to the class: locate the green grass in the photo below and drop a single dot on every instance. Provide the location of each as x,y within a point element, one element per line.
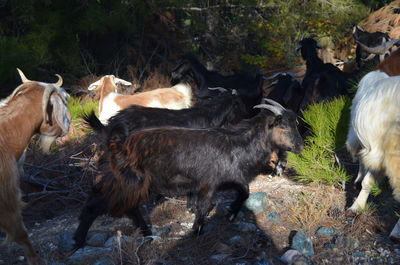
<point>328,123</point>
<point>78,107</point>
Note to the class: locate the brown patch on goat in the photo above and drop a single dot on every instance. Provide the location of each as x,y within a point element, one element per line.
<point>391,65</point>
<point>391,161</point>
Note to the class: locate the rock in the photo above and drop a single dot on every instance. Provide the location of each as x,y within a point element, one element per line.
<point>165,231</point>
<point>235,241</point>
<point>113,242</point>
<point>56,263</point>
<point>256,202</point>
<point>104,261</point>
<point>326,231</point>
<point>273,216</point>
<point>395,234</point>
<point>358,254</point>
<point>302,243</point>
<point>65,242</point>
<point>294,257</point>
<point>346,242</point>
<point>245,227</point>
<point>88,255</point>
<point>330,245</point>
<point>219,257</point>
<point>97,240</point>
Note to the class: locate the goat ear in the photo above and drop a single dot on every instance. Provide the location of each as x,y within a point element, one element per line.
<point>278,120</point>
<point>60,113</point>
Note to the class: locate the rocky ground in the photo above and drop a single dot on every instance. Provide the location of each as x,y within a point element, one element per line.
<point>280,215</point>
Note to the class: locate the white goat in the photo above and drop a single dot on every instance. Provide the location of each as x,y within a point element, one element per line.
<point>176,97</point>
<point>33,107</point>
<point>374,134</point>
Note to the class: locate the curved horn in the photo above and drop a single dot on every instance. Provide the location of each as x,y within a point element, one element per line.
<point>381,49</point>
<point>274,109</point>
<point>23,77</point>
<point>49,89</point>
<point>274,103</point>
<point>59,82</point>
<point>272,76</point>
<point>220,89</point>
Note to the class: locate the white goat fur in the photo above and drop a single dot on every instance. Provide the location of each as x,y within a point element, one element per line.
<point>22,114</point>
<point>374,134</point>
<point>176,97</point>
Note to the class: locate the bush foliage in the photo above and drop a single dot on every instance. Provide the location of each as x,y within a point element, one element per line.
<point>328,124</point>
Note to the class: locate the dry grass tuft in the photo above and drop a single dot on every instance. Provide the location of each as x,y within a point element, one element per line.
<point>318,206</point>
<point>157,79</point>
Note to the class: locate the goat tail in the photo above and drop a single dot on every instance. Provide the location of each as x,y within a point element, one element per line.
<point>391,162</point>
<point>93,122</point>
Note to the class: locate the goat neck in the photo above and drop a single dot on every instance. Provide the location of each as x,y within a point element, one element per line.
<point>13,118</point>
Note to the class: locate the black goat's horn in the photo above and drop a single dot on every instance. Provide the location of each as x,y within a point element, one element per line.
<point>381,49</point>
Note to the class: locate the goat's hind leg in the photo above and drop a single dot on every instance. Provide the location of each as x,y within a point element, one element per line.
<point>94,207</point>
<point>203,207</point>
<point>242,194</point>
<point>16,231</point>
<point>137,219</point>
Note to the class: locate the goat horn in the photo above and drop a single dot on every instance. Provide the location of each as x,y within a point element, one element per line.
<point>274,109</point>
<point>272,76</point>
<point>274,103</point>
<point>59,82</point>
<point>220,89</point>
<point>23,77</point>
<point>49,89</point>
<point>296,50</point>
<point>273,83</point>
<point>381,49</point>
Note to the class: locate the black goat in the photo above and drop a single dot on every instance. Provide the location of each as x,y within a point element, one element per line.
<point>209,82</point>
<point>286,90</point>
<point>181,161</point>
<point>216,112</point>
<point>322,81</point>
<point>369,45</point>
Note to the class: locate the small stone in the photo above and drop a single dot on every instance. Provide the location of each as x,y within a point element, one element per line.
<point>330,245</point>
<point>113,241</point>
<point>256,202</point>
<point>326,231</point>
<point>88,255</point>
<point>21,258</point>
<point>302,243</point>
<point>358,254</point>
<point>65,242</point>
<point>235,240</point>
<point>97,240</point>
<point>163,231</point>
<point>294,257</point>
<point>219,257</point>
<point>273,216</point>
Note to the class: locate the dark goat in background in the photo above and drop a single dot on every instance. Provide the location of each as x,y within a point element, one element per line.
<point>209,82</point>
<point>322,81</point>
<point>181,161</point>
<point>371,48</point>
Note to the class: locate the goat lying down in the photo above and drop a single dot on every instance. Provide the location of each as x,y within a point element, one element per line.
<point>33,107</point>
<point>178,161</point>
<point>176,97</point>
<point>374,134</point>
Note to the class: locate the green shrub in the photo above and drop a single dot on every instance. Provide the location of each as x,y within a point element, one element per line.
<point>328,123</point>
<point>78,107</point>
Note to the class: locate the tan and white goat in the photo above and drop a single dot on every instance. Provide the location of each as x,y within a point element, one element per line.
<point>32,108</point>
<point>176,97</point>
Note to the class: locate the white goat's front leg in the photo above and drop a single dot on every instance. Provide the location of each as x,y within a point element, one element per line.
<point>362,197</point>
<point>361,172</point>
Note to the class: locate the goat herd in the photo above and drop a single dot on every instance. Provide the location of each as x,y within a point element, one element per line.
<point>156,142</point>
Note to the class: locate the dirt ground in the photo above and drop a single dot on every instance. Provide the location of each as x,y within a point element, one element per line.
<point>300,208</point>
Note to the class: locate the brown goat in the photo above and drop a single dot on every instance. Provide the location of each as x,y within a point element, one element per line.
<point>176,97</point>
<point>33,107</point>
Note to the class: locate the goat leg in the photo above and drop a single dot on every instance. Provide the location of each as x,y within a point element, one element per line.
<point>94,207</point>
<point>138,221</point>
<point>202,209</point>
<point>242,195</point>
